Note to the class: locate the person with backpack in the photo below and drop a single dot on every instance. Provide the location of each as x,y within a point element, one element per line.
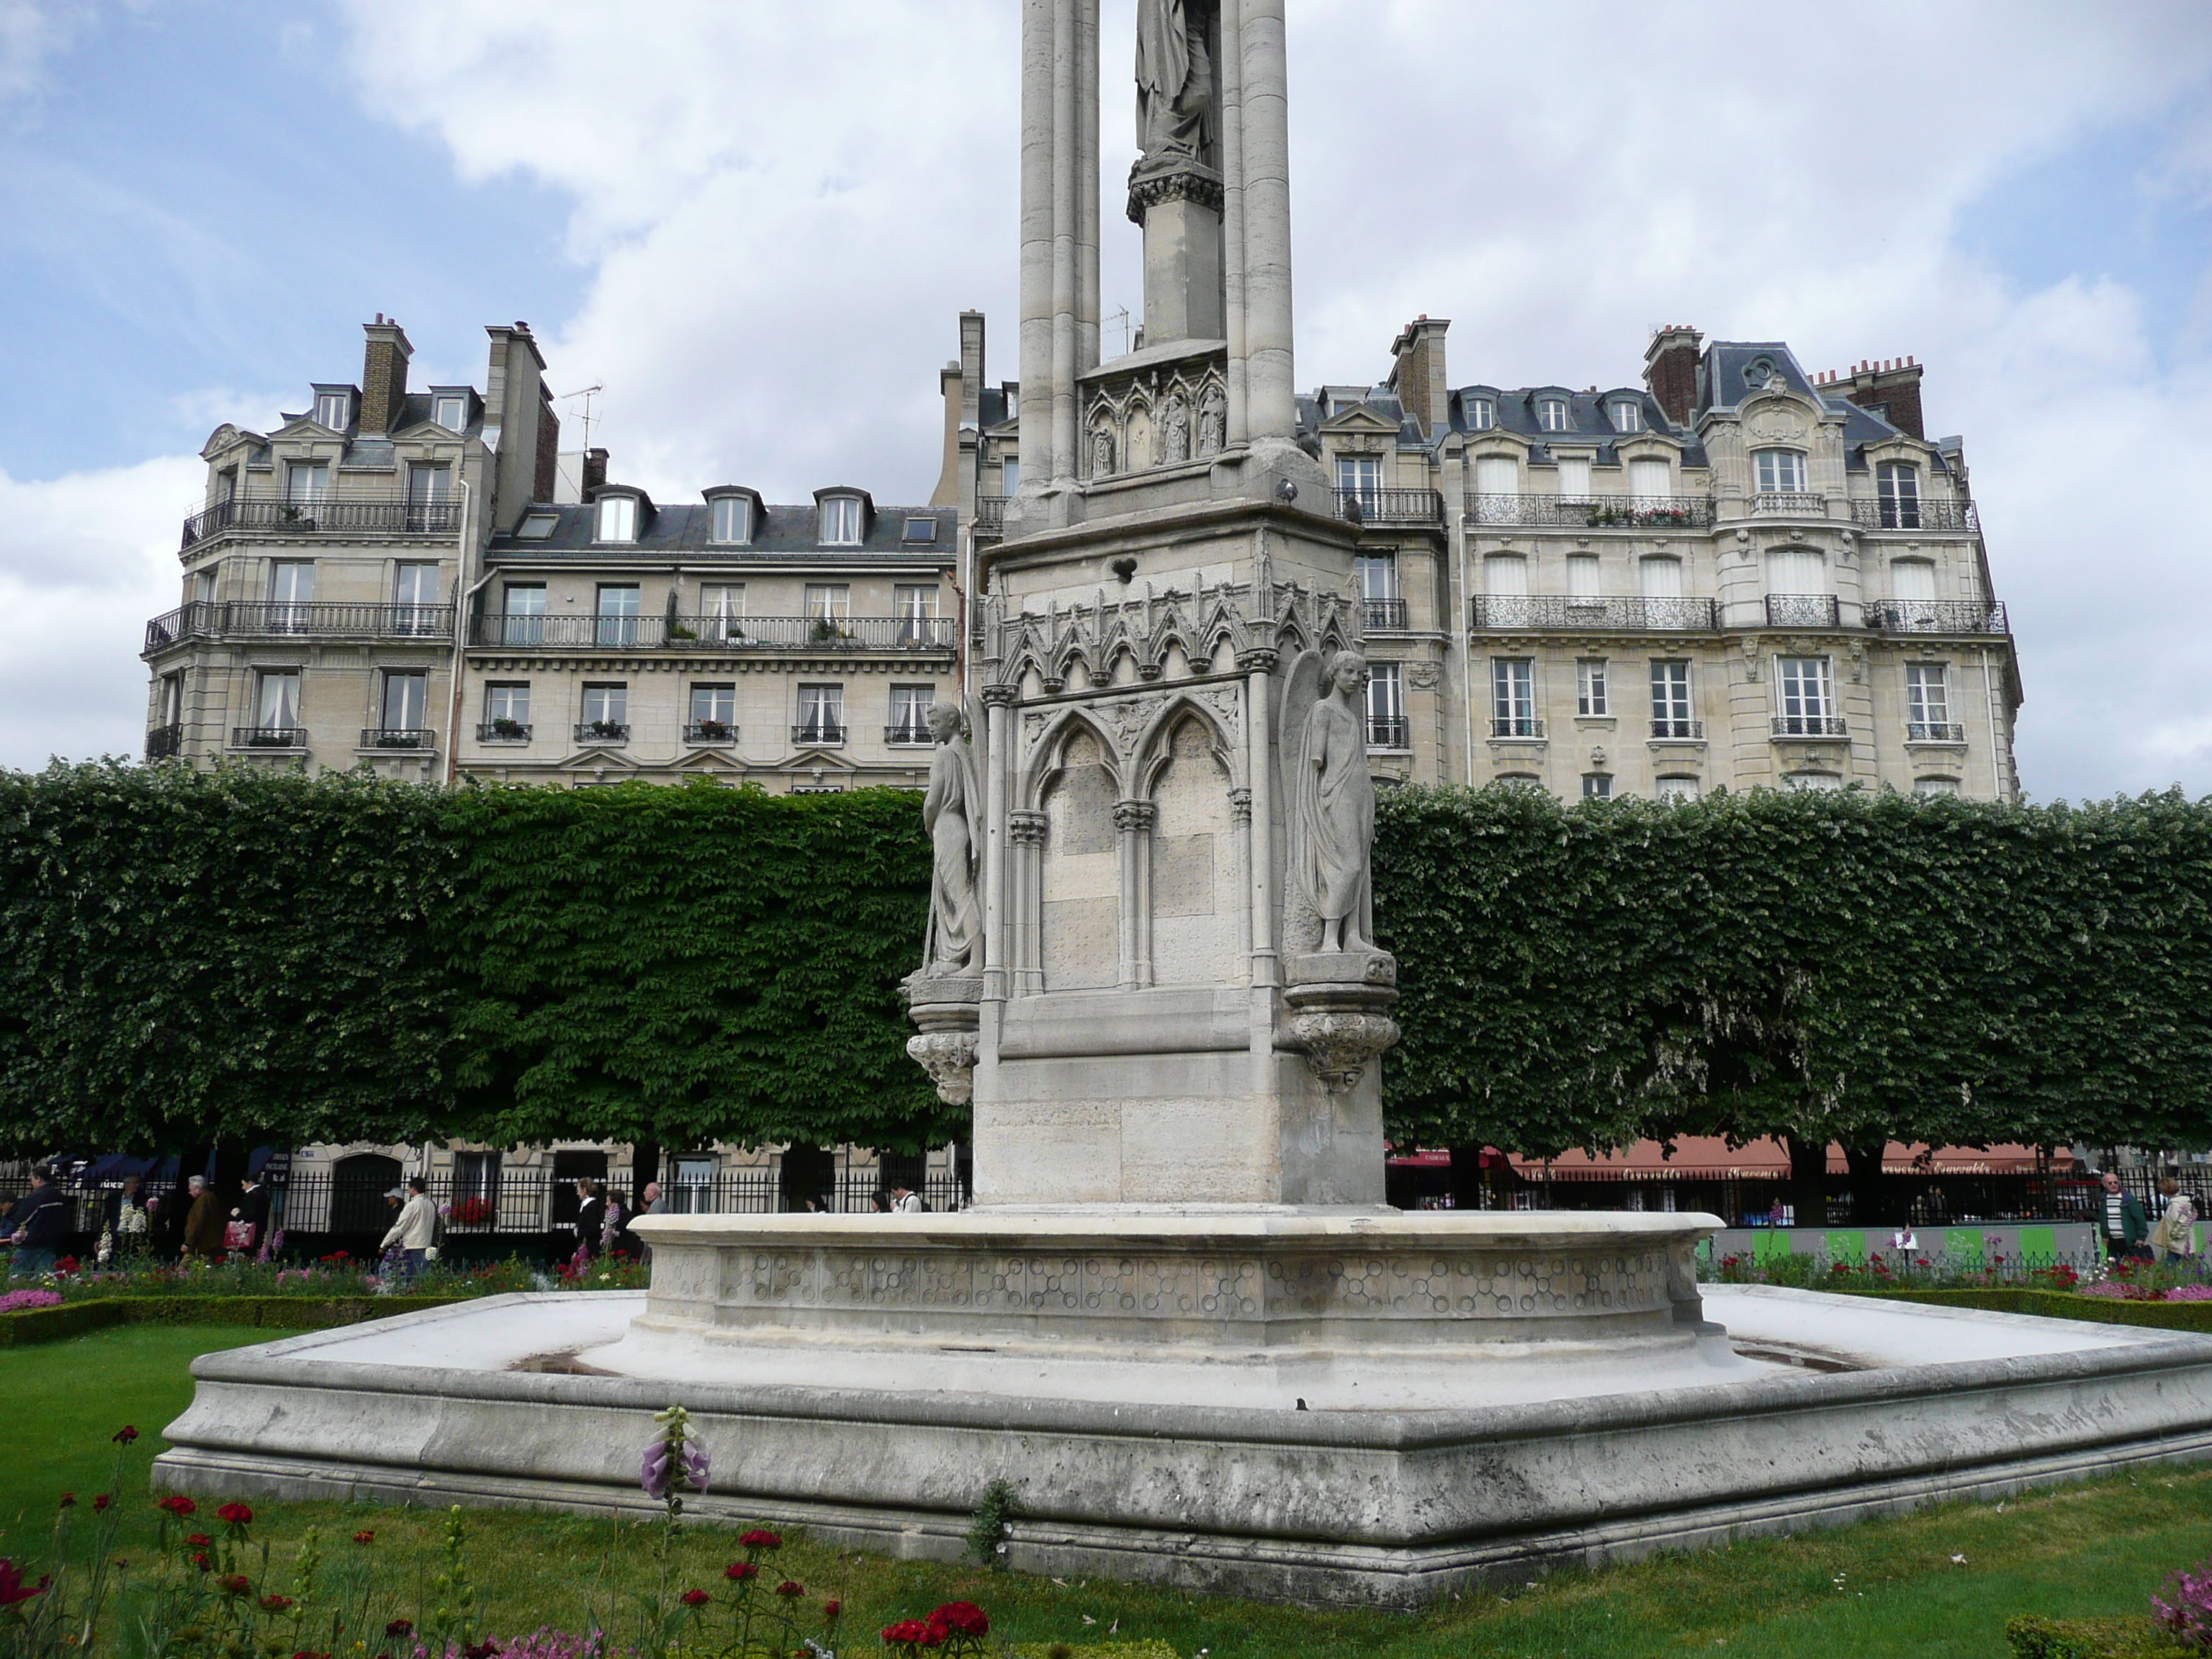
<point>2174,1238</point>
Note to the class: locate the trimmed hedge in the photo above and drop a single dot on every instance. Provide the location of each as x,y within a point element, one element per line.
<point>2092,1638</point>
<point>284,1313</point>
<point>2063,1304</point>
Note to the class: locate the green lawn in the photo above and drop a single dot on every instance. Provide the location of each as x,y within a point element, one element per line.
<point>1883,1588</point>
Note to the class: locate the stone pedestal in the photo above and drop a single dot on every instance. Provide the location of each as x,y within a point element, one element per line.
<point>946,1009</point>
<point>1179,206</point>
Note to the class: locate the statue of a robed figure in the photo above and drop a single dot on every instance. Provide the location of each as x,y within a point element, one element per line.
<point>951,812</point>
<point>1330,821</point>
<point>1177,112</point>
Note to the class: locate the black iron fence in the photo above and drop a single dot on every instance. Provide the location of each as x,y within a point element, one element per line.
<point>1802,611</point>
<point>717,635</point>
<point>1391,507</point>
<point>381,514</point>
<point>398,737</point>
<point>1936,617</point>
<point>1388,731</point>
<point>1385,616</point>
<point>1626,616</point>
<point>164,741</point>
<point>1916,515</point>
<point>281,619</point>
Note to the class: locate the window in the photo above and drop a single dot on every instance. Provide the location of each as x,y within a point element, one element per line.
<point>692,1192</point>
<point>1583,577</point>
<point>1797,570</point>
<point>618,519</point>
<point>919,532</point>
<point>1496,475</point>
<point>733,518</point>
<point>1780,472</point>
<point>406,701</point>
<point>1928,704</point>
<point>476,1177</point>
<point>1934,786</point>
<point>1010,472</point>
<point>1552,414</point>
<point>1628,418</point>
<point>607,709</point>
<point>713,714</point>
<point>1650,481</point>
<point>1574,476</point>
<point>1675,788</point>
<point>203,587</point>
<point>537,527</point>
<point>721,608</point>
<point>1386,707</point>
<point>307,480</point>
<point>1659,577</point>
<point>1360,476</point>
<point>821,715</point>
<point>1808,702</point>
<point>1505,575</point>
<point>332,410</point>
<point>506,711</point>
<point>915,607</point>
<point>619,605</point>
<point>452,413</point>
<point>1481,414</point>
<point>415,595</point>
<point>1912,580</point>
<point>910,707</point>
<point>523,621</point>
<point>291,593</point>
<point>172,699</point>
<point>1670,701</point>
<point>828,602</point>
<point>277,703</point>
<point>426,495</point>
<point>841,521</point>
<point>1377,575</point>
<point>1513,698</point>
<point>1597,786</point>
<point>1898,484</point>
<point>1589,689</point>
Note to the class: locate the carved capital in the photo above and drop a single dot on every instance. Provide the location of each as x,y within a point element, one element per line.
<point>1339,1043</point>
<point>1001,696</point>
<point>1135,816</point>
<point>948,1057</point>
<point>1199,185</point>
<point>1027,828</point>
<point>1240,804</point>
<point>1260,659</point>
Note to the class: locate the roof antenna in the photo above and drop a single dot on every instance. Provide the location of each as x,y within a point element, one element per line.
<point>1122,317</point>
<point>586,419</point>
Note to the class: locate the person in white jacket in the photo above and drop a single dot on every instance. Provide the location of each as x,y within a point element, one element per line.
<point>416,1229</point>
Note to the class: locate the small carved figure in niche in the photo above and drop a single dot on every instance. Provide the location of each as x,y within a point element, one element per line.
<point>1102,452</point>
<point>1175,431</point>
<point>948,814</point>
<point>1212,421</point>
<point>1331,821</point>
<point>1175,80</point>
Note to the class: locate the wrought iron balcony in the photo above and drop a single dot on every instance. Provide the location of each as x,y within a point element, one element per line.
<point>1502,611</point>
<point>350,515</point>
<point>716,636</point>
<point>907,736</point>
<point>1415,507</point>
<point>1525,727</point>
<point>1936,617</point>
<point>504,731</point>
<point>1385,616</point>
<point>276,619</point>
<point>1934,732</point>
<point>1791,503</point>
<point>268,736</point>
<point>1803,610</point>
<point>1952,516</point>
<point>1672,731</point>
<point>1810,725</point>
<point>707,734</point>
<point>164,741</point>
<point>819,735</point>
<point>398,737</point>
<point>600,733</point>
<point>991,514</point>
<point>1593,511</point>
<point>1388,731</point>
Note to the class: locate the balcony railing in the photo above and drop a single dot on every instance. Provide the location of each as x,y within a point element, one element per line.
<point>717,635</point>
<point>907,736</point>
<point>1385,616</point>
<point>1934,732</point>
<point>991,513</point>
<point>1497,610</point>
<point>1936,617</point>
<point>1954,516</point>
<point>1791,503</point>
<point>398,737</point>
<point>1802,611</point>
<point>274,619</point>
<point>268,736</point>
<point>1390,507</point>
<point>1810,725</point>
<point>707,734</point>
<point>819,735</point>
<point>1593,511</point>
<point>1388,731</point>
<point>164,741</point>
<point>1678,731</point>
<point>336,515</point>
<point>504,731</point>
<point>602,732</point>
<point>1516,726</point>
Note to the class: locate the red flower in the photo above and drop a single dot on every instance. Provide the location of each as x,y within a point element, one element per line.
<point>237,1513</point>
<point>787,1587</point>
<point>962,1619</point>
<point>124,1435</point>
<point>695,1598</point>
<point>102,1501</point>
<point>759,1539</point>
<point>309,1653</point>
<point>12,1587</point>
<point>740,1571</point>
<point>234,1584</point>
<point>69,1500</point>
<point>364,1538</point>
<point>400,1627</point>
<point>832,1608</point>
<point>198,1539</point>
<point>913,1633</point>
<point>484,1649</point>
<point>201,1562</point>
<point>180,1507</point>
<point>275,1603</point>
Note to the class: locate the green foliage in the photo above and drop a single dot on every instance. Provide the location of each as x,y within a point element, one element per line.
<point>2092,1638</point>
<point>1854,967</point>
<point>987,1533</point>
<point>288,1313</point>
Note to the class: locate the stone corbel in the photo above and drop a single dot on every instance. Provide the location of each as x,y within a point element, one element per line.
<point>948,1009</point>
<point>1336,1012</point>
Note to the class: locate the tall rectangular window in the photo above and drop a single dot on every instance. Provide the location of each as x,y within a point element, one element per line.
<point>414,596</point>
<point>832,601</point>
<point>1575,477</point>
<point>307,480</point>
<point>452,413</point>
<point>821,715</point>
<point>1513,698</point>
<point>427,485</point>
<point>406,701</point>
<point>910,707</point>
<point>507,710</point>
<point>1807,699</point>
<point>523,614</point>
<point>1583,576</point>
<point>291,595</point>
<point>1928,702</point>
<point>1899,486</point>
<point>1590,702</point>
<point>1552,414</point>
<point>619,606</point>
<point>172,699</point>
<point>1670,701</point>
<point>733,518</point>
<point>1649,480</point>
<point>714,713</point>
<point>1377,573</point>
<point>915,605</point>
<point>332,409</point>
<point>1010,474</point>
<point>618,519</point>
<point>841,521</point>
<point>1386,707</point>
<point>1627,417</point>
<point>1481,414</point>
<point>607,707</point>
<point>722,610</point>
<point>1659,576</point>
<point>276,701</point>
<point>1360,476</point>
<point>1496,475</point>
<point>1780,472</point>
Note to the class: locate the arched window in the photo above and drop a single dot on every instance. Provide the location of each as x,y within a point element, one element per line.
<point>618,519</point>
<point>1552,414</point>
<point>1676,788</point>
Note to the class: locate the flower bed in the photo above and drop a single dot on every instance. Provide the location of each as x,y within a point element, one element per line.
<point>55,1321</point>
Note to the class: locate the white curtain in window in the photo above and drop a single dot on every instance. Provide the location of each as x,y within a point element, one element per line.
<point>1649,479</point>
<point>1496,475</point>
<point>1575,475</point>
<point>1912,579</point>
<point>280,700</point>
<point>1661,577</point>
<point>1505,576</point>
<point>1582,576</point>
<point>1797,570</point>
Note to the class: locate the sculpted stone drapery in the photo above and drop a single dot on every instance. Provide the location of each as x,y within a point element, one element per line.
<point>1331,820</point>
<point>949,812</point>
<point>1175,115</point>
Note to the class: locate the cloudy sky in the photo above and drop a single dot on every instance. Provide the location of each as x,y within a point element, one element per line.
<point>753,221</point>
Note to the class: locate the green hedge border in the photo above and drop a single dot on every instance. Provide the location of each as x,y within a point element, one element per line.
<point>2092,1638</point>
<point>2063,1304</point>
<point>281,1313</point>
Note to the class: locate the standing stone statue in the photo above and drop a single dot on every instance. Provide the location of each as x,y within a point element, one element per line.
<point>1175,114</point>
<point>1174,433</point>
<point>949,812</point>
<point>1331,821</point>
<point>1212,421</point>
<point>1101,454</point>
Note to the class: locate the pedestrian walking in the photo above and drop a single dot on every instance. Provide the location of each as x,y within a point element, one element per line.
<point>127,1222</point>
<point>247,1232</point>
<point>591,1220</point>
<point>906,1201</point>
<point>204,1222</point>
<point>2126,1225</point>
<point>39,1224</point>
<point>415,1231</point>
<point>2174,1238</point>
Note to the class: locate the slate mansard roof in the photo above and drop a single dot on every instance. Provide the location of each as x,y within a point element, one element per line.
<point>779,532</point>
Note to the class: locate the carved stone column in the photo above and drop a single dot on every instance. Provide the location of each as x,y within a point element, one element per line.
<point>1135,818</point>
<point>1027,832</point>
<point>1240,809</point>
<point>1258,667</point>
<point>999,700</point>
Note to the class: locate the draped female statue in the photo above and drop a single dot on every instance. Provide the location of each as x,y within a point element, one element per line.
<point>949,813</point>
<point>1175,115</point>
<point>1331,821</point>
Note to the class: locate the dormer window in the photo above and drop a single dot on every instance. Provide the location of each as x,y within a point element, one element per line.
<point>452,413</point>
<point>618,519</point>
<point>1481,415</point>
<point>537,527</point>
<point>841,521</point>
<point>332,409</point>
<point>1628,418</point>
<point>1552,414</point>
<point>919,532</point>
<point>733,518</point>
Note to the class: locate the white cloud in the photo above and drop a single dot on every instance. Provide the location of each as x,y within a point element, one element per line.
<point>84,560</point>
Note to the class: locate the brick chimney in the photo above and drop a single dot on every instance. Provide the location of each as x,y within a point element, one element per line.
<point>1418,374</point>
<point>383,377</point>
<point>1890,387</point>
<point>546,475</point>
<point>595,472</point>
<point>1670,370</point>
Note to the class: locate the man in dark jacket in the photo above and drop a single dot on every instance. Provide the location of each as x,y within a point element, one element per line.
<point>40,1224</point>
<point>203,1222</point>
<point>253,1208</point>
<point>2127,1224</point>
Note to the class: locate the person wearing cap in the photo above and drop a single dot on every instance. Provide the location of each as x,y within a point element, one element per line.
<point>417,1228</point>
